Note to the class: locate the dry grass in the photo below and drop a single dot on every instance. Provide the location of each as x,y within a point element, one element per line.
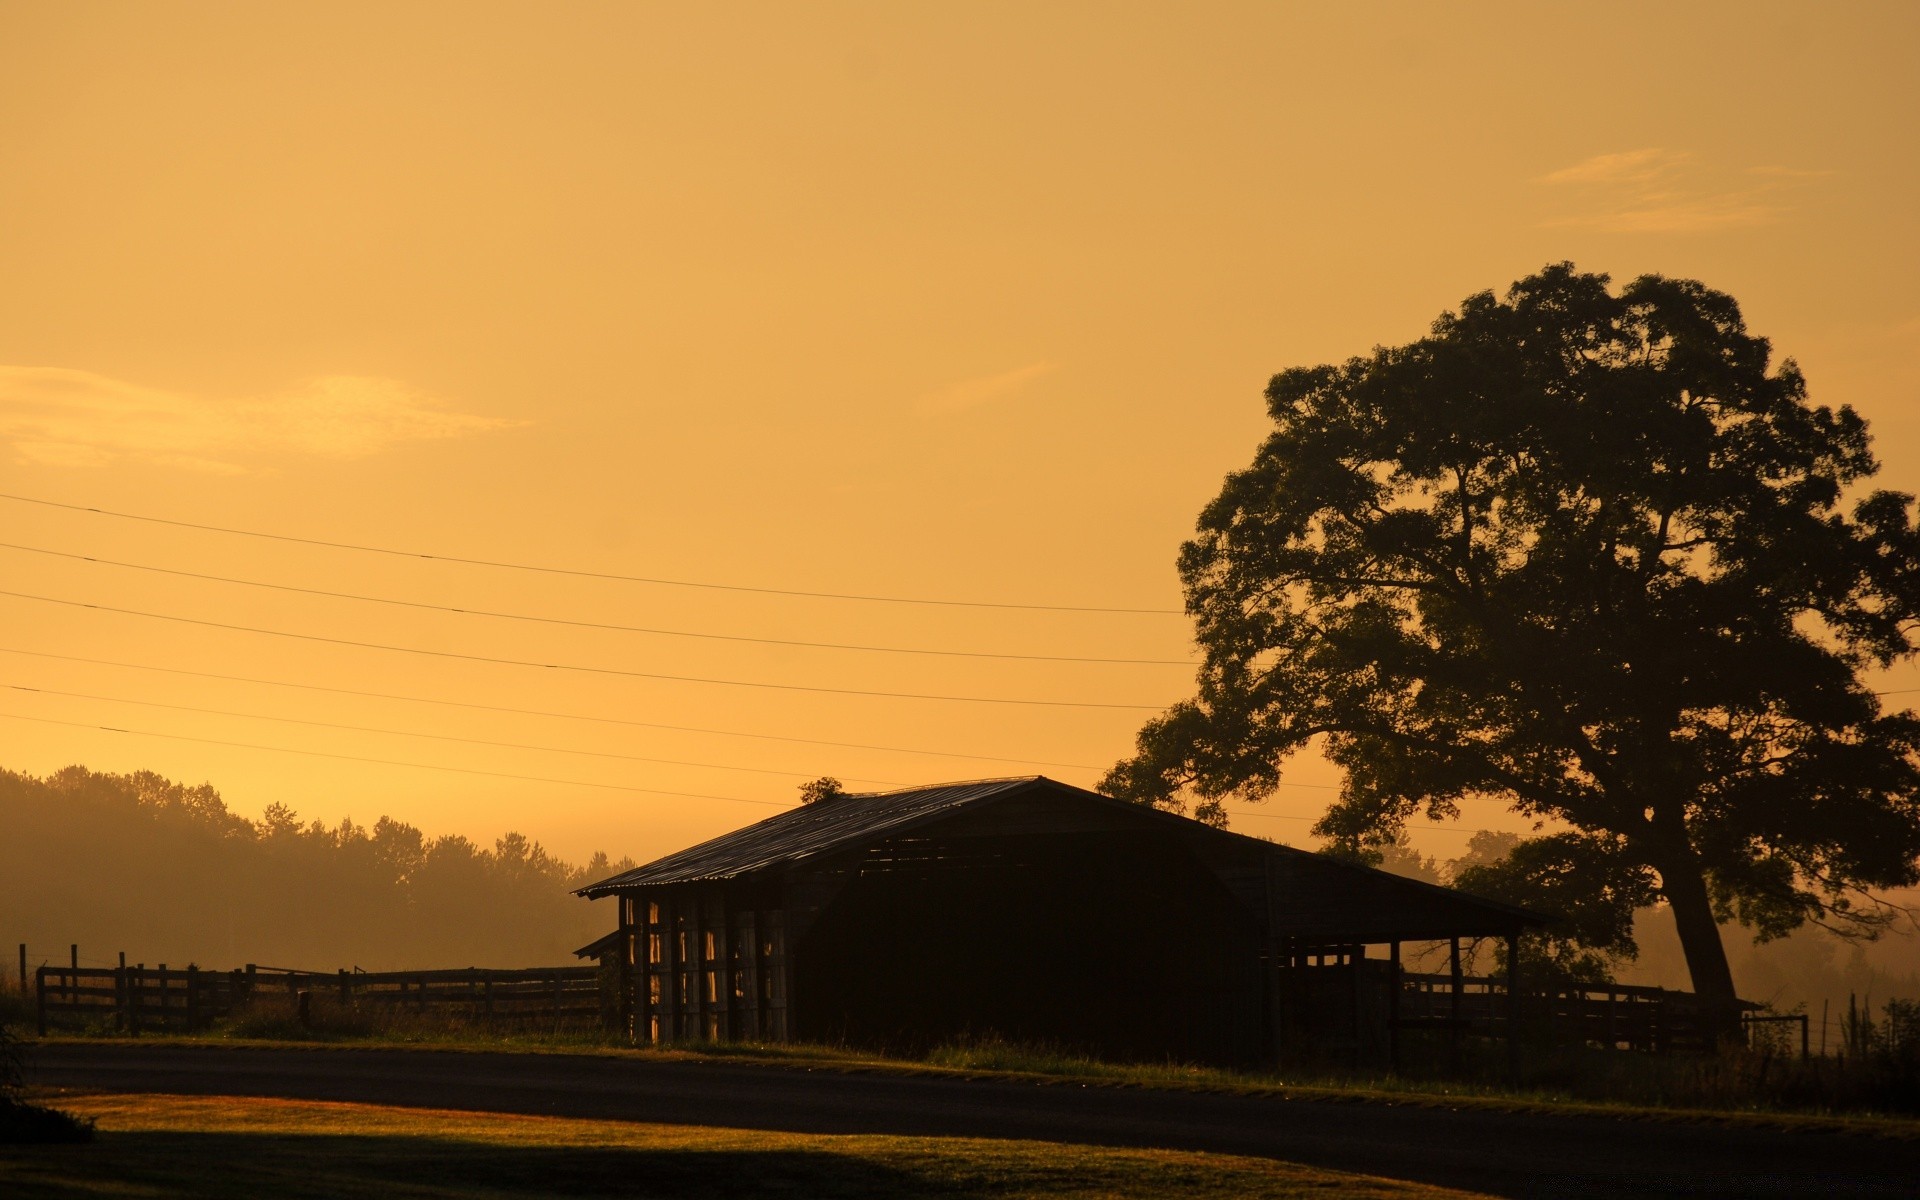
<point>217,1147</point>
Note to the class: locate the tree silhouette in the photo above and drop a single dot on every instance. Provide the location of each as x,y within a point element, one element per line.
<point>1586,554</point>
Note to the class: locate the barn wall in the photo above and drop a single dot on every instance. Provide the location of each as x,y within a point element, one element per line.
<point>1113,942</point>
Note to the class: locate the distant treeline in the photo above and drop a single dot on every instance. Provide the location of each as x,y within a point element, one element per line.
<point>166,873</point>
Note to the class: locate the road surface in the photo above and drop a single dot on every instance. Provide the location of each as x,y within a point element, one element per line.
<point>1504,1154</point>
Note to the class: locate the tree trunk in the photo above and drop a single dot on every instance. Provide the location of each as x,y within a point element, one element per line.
<point>1686,891</point>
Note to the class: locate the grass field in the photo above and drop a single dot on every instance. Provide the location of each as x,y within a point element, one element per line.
<point>216,1147</point>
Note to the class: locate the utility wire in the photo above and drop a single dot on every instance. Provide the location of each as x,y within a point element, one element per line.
<point>520,662</point>
<point>582,574</point>
<point>535,712</point>
<point>508,616</point>
<point>388,762</point>
<point>438,737</point>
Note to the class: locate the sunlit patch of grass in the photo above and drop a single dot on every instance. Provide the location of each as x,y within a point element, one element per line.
<point>217,1147</point>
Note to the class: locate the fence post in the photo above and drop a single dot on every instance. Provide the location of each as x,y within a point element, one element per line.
<point>135,984</point>
<point>120,994</point>
<point>40,981</point>
<point>25,991</point>
<point>193,997</point>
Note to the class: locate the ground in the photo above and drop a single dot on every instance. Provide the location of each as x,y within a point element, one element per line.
<point>512,1124</point>
<point>239,1147</point>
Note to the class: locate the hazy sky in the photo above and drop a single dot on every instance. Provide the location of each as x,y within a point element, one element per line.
<point>962,302</point>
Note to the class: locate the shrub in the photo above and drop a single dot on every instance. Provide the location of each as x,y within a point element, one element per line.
<point>21,1122</point>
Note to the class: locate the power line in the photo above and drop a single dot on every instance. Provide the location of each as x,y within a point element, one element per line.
<point>535,712</point>
<point>681,633</point>
<point>387,762</point>
<point>520,662</point>
<point>438,737</point>
<point>583,574</point>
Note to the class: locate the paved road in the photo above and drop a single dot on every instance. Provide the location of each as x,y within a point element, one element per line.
<point>1502,1154</point>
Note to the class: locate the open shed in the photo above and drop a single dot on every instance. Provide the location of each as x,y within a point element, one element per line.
<point>1026,909</point>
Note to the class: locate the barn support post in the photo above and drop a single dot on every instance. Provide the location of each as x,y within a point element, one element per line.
<point>1276,1020</point>
<point>1356,957</point>
<point>781,969</point>
<point>1393,1007</point>
<point>1456,1004</point>
<point>669,968</point>
<point>646,1009</point>
<point>696,966</point>
<point>623,978</point>
<point>720,973</point>
<point>1513,1006</point>
<point>747,950</point>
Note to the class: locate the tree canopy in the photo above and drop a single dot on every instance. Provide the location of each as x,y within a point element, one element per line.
<point>1588,553</point>
<point>168,873</point>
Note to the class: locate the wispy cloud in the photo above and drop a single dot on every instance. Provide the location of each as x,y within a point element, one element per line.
<point>1628,166</point>
<point>1658,190</point>
<point>65,417</point>
<point>972,393</point>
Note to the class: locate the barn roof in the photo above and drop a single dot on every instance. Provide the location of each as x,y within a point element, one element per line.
<point>806,831</point>
<point>1314,893</point>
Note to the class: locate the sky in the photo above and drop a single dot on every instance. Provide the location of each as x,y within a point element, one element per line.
<point>968,303</point>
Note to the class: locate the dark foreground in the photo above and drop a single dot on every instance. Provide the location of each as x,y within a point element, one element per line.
<point>1498,1153</point>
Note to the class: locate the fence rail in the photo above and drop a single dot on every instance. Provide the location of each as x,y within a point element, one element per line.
<point>139,999</point>
<point>1616,1016</point>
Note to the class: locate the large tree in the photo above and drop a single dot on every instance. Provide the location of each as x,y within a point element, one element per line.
<point>1588,554</point>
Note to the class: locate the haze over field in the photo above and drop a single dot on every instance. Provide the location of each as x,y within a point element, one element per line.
<point>819,309</point>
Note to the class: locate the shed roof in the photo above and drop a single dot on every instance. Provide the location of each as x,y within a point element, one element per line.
<point>1320,893</point>
<point>806,831</point>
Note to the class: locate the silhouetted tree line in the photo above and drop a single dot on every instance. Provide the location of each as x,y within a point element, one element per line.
<point>166,872</point>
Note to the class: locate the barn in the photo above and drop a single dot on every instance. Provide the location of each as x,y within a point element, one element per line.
<point>1025,909</point>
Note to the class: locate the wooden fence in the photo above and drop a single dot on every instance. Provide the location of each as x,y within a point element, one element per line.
<point>1611,1016</point>
<point>139,999</point>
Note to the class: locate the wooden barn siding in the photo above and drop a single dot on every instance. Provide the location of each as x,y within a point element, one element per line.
<point>708,962</point>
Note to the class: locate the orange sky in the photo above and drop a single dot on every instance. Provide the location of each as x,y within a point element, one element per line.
<point>966,302</point>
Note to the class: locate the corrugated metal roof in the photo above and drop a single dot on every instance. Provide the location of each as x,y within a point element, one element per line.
<point>806,831</point>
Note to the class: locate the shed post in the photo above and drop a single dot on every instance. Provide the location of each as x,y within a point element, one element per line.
<point>1393,1007</point>
<point>623,977</point>
<point>696,966</point>
<point>721,970</point>
<point>1456,1004</point>
<point>1513,1006</point>
<point>669,968</point>
<point>747,940</point>
<point>646,1010</point>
